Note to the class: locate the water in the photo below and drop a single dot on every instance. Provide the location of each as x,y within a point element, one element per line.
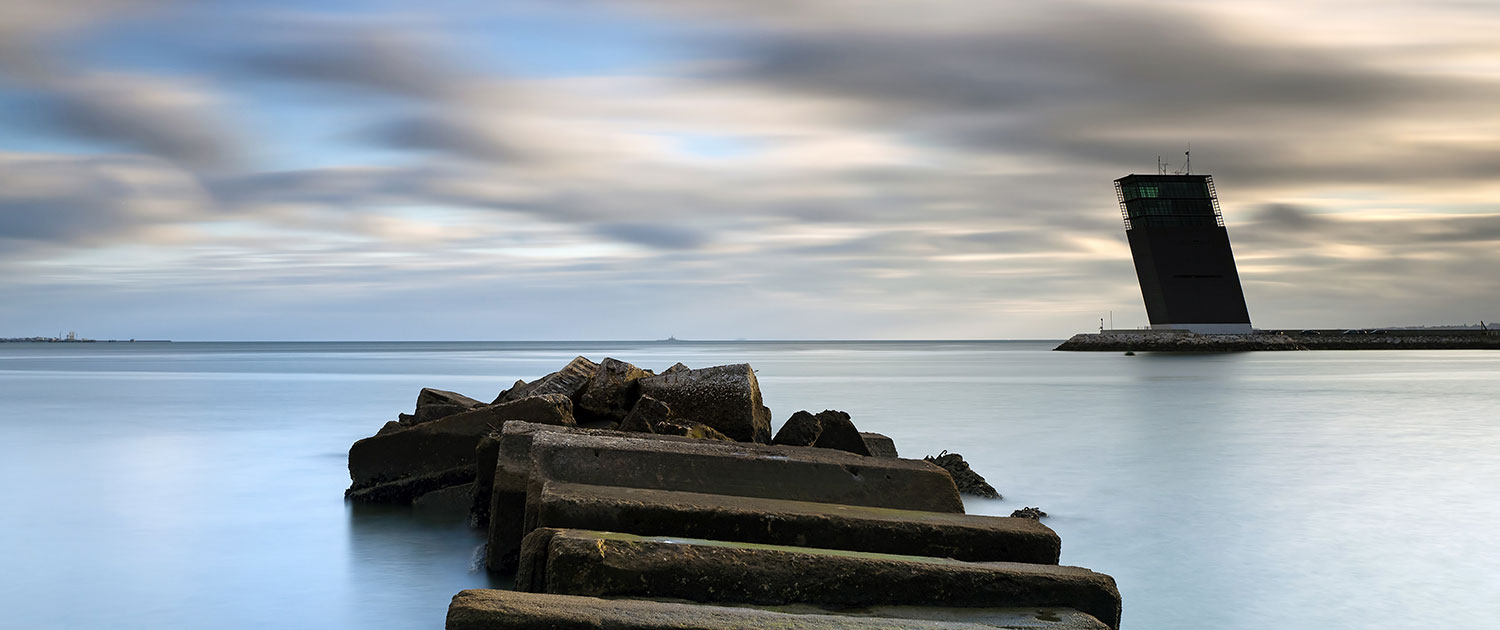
<point>199,485</point>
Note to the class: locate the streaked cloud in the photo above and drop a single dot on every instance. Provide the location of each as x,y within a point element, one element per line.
<point>777,169</point>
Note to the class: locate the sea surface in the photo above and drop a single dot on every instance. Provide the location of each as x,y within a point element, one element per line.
<point>199,485</point>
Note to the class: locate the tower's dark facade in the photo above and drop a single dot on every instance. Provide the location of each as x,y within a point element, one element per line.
<point>1182,255</point>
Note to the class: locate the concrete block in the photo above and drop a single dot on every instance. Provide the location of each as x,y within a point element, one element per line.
<point>483,609</point>
<point>603,564</point>
<point>738,469</point>
<point>686,464</point>
<point>879,445</point>
<point>795,523</point>
<point>444,443</point>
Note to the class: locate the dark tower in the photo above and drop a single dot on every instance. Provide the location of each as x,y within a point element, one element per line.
<point>1182,255</point>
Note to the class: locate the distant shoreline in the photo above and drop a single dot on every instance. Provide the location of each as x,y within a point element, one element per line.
<point>56,340</point>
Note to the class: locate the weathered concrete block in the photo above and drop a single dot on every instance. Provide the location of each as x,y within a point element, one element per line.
<point>725,397</point>
<point>568,381</point>
<point>452,502</point>
<point>445,443</point>
<point>750,470</point>
<point>879,445</point>
<point>921,486</point>
<point>795,523</point>
<point>485,609</point>
<point>486,457</point>
<point>602,564</point>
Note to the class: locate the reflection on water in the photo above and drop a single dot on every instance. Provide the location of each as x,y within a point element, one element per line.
<point>200,485</point>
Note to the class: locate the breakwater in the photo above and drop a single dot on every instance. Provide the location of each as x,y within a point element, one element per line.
<point>605,487</point>
<point>1180,341</point>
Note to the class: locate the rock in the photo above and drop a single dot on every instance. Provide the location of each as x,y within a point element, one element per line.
<point>433,404</point>
<point>611,393</point>
<point>445,443</point>
<point>725,397</point>
<point>1182,341</point>
<point>430,396</point>
<point>393,425</point>
<point>407,489</point>
<point>688,428</point>
<point>968,481</point>
<point>802,429</point>
<point>568,381</point>
<point>676,367</point>
<point>829,429</point>
<point>1032,513</point>
<point>604,564</point>
<point>654,416</point>
<point>645,415</point>
<point>429,413</point>
<point>506,392</point>
<point>879,445</point>
<point>493,609</point>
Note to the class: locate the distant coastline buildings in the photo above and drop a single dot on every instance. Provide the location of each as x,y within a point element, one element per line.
<point>1182,256</point>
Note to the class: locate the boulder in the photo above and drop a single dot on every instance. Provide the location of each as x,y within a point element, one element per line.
<point>445,443</point>
<point>568,381</point>
<point>611,393</point>
<point>408,489</point>
<point>430,396</point>
<point>725,397</point>
<point>1032,513</point>
<point>513,387</point>
<point>654,416</point>
<point>829,429</point>
<point>802,429</point>
<point>645,415</point>
<point>676,367</point>
<point>688,428</point>
<point>968,481</point>
<point>879,445</point>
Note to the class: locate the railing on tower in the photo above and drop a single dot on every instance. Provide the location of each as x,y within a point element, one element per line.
<point>1124,214</point>
<point>1214,196</point>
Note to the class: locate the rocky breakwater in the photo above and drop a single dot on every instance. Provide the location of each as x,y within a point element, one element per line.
<point>1177,341</point>
<point>607,488</point>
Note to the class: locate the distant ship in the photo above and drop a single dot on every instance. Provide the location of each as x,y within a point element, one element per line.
<point>670,339</point>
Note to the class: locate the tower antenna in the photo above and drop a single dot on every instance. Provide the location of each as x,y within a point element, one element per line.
<point>1187,169</point>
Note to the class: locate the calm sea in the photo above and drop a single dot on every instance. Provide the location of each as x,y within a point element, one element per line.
<point>197,485</point>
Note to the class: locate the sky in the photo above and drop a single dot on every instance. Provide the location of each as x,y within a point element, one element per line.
<point>777,169</point>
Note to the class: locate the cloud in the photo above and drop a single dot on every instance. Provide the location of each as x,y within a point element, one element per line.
<point>87,200</point>
<point>363,59</point>
<point>660,236</point>
<point>153,115</point>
